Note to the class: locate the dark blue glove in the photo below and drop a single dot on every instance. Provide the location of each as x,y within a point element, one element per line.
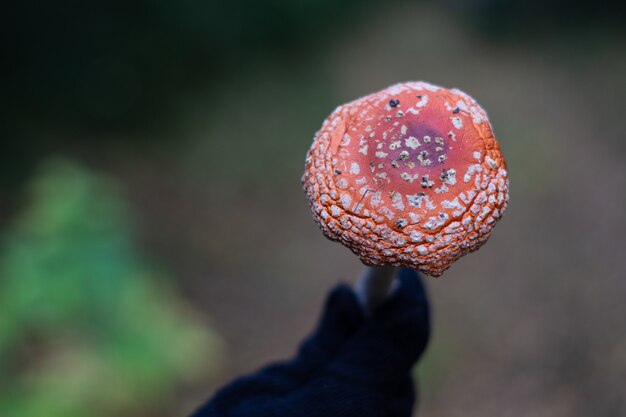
<point>351,365</point>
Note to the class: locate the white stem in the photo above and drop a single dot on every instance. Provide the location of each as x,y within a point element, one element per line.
<point>374,285</point>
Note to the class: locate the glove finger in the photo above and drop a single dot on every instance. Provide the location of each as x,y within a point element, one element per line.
<point>341,317</point>
<point>391,341</point>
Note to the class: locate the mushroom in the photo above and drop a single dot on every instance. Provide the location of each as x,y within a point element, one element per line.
<point>409,176</point>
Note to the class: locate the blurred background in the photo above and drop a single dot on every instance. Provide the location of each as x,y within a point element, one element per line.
<point>155,241</point>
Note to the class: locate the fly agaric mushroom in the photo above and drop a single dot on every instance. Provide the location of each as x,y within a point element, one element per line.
<point>409,176</point>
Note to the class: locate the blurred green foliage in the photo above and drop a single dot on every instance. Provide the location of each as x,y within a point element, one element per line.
<point>87,328</point>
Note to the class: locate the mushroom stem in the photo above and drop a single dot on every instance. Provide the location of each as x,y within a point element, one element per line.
<point>374,285</point>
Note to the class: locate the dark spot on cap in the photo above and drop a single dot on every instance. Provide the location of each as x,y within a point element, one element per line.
<point>338,171</point>
<point>393,102</point>
<point>401,223</point>
<point>426,183</point>
<point>456,110</point>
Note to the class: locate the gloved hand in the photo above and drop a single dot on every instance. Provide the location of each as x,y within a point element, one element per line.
<point>352,364</point>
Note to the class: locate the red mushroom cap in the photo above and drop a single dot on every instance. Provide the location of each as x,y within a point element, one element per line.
<point>408,176</point>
